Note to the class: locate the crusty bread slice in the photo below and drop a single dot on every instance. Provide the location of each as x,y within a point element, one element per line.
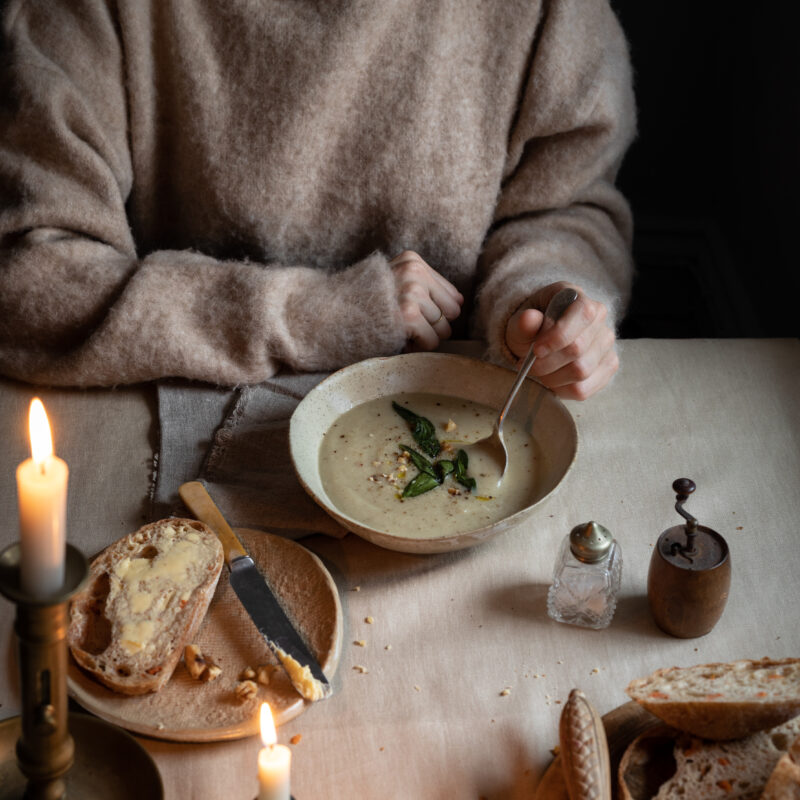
<point>667,764</point>
<point>144,600</point>
<point>722,701</point>
<point>784,783</point>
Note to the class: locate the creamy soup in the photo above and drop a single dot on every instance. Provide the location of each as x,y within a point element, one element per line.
<point>365,469</point>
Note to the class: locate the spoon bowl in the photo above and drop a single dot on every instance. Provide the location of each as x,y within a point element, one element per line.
<point>494,445</point>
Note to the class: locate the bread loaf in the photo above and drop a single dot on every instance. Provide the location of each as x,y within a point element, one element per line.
<point>667,764</point>
<point>784,783</point>
<point>722,701</point>
<point>145,598</point>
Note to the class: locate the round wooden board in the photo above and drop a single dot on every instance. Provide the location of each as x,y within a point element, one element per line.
<point>188,710</point>
<point>623,724</point>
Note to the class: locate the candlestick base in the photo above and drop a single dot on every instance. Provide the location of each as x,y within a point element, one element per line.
<point>108,763</point>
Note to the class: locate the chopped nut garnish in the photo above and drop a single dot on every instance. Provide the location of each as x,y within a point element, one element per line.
<point>360,643</point>
<point>450,426</point>
<point>248,673</point>
<point>246,690</point>
<point>369,620</point>
<point>296,738</point>
<point>362,670</point>
<point>356,588</point>
<point>388,647</point>
<point>505,692</point>
<point>452,490</point>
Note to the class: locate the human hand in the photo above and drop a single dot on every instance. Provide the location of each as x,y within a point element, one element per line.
<point>575,357</point>
<point>428,301</point>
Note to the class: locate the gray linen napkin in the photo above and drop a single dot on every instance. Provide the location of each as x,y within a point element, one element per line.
<point>236,442</point>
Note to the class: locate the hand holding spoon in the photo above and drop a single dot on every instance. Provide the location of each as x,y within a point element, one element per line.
<point>494,445</point>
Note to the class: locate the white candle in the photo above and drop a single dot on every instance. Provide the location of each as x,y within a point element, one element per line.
<point>42,496</point>
<point>274,761</point>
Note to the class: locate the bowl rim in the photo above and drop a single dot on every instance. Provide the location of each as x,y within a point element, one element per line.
<point>440,543</point>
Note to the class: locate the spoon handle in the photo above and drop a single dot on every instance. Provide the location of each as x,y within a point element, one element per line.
<point>560,302</point>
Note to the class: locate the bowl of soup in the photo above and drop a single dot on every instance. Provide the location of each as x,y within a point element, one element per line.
<point>383,447</point>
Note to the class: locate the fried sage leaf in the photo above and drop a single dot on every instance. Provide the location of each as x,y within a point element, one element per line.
<point>460,471</point>
<point>444,468</point>
<point>419,461</point>
<point>423,482</point>
<point>422,430</point>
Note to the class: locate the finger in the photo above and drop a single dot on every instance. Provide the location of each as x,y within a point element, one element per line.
<point>598,380</point>
<point>521,330</point>
<point>576,319</point>
<point>449,304</point>
<point>577,361</point>
<point>445,294</point>
<point>581,354</point>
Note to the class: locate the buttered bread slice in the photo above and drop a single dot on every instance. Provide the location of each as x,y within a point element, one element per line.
<point>145,599</point>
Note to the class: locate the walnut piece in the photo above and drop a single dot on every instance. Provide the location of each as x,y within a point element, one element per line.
<point>245,690</point>
<point>194,660</point>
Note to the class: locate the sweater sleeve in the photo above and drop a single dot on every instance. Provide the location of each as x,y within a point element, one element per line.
<point>559,215</point>
<point>78,305</point>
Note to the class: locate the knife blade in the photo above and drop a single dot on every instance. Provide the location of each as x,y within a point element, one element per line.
<point>259,600</point>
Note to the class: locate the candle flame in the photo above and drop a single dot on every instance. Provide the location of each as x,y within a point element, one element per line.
<point>268,735</point>
<point>39,427</point>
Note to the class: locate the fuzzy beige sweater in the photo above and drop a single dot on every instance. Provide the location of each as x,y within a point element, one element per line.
<point>212,190</point>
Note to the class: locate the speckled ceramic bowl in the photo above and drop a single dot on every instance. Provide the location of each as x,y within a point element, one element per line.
<point>536,408</point>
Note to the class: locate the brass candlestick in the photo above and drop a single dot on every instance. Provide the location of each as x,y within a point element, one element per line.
<point>39,758</point>
<point>45,749</point>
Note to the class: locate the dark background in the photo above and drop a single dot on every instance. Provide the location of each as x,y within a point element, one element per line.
<point>714,175</point>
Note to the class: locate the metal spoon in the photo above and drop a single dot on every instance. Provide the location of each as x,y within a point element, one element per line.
<point>494,445</point>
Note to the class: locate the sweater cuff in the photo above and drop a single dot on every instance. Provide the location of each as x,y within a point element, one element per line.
<point>356,317</point>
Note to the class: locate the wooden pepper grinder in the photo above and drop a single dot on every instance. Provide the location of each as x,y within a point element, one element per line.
<point>690,574</point>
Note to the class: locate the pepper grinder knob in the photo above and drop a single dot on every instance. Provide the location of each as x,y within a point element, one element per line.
<point>683,487</point>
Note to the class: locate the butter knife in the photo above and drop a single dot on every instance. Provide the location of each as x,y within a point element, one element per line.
<point>259,600</point>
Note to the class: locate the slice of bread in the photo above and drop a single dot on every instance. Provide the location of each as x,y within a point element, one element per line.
<point>784,783</point>
<point>144,600</point>
<point>722,701</point>
<point>667,764</point>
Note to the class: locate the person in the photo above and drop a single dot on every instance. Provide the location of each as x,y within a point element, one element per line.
<point>217,191</point>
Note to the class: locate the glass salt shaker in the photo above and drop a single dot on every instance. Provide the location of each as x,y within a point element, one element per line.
<point>586,577</point>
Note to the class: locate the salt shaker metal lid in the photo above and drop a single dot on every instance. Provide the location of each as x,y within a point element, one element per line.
<point>590,542</point>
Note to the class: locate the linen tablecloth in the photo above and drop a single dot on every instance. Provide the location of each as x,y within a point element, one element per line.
<point>430,718</point>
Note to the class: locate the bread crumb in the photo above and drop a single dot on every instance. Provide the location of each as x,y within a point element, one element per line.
<point>160,726</point>
<point>360,643</point>
<point>356,589</point>
<point>296,738</point>
<point>505,692</point>
<point>245,690</point>
<point>361,669</point>
<point>416,688</point>
<point>369,620</point>
<point>595,671</point>
<point>264,673</point>
<point>388,647</point>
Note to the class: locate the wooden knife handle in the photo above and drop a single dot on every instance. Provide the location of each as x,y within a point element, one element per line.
<point>199,502</point>
<point>585,758</point>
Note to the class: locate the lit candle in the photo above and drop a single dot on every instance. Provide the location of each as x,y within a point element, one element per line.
<point>42,495</point>
<point>274,761</point>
